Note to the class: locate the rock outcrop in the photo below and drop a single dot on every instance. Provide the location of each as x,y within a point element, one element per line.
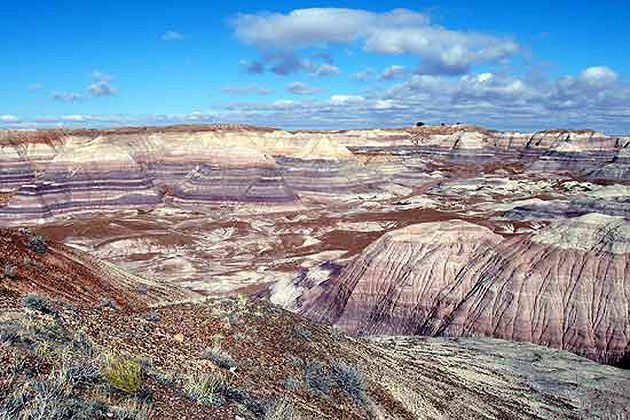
<point>565,286</point>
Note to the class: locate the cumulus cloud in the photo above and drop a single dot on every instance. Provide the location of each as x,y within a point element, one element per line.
<point>84,119</point>
<point>325,70</point>
<point>394,72</point>
<point>101,85</point>
<point>247,90</point>
<point>399,31</point>
<point>598,75</point>
<point>284,63</point>
<point>172,36</point>
<point>301,88</point>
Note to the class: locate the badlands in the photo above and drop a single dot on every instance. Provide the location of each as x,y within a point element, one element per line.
<point>428,246</point>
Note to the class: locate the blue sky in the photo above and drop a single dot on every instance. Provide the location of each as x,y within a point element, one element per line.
<point>526,65</point>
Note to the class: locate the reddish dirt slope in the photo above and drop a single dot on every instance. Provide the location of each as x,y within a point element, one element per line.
<point>71,275</point>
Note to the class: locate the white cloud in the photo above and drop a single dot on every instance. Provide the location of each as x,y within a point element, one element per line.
<point>384,104</point>
<point>326,70</point>
<point>301,88</point>
<point>247,90</point>
<point>399,31</point>
<point>284,103</point>
<point>344,99</point>
<point>599,75</point>
<point>172,36</point>
<point>286,63</point>
<point>363,75</point>
<point>495,100</point>
<point>101,85</point>
<point>393,72</point>
<point>67,97</point>
<point>8,119</point>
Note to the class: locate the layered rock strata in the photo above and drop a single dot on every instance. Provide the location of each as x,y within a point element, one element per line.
<point>565,286</point>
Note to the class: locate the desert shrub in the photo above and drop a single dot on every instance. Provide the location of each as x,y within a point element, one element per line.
<point>350,380</point>
<point>166,378</point>
<point>10,333</point>
<point>152,317</point>
<point>282,410</point>
<point>81,372</point>
<point>203,388</point>
<point>38,244</point>
<point>82,344</point>
<point>38,303</point>
<point>123,373</point>
<point>10,271</point>
<point>44,399</point>
<point>14,404</point>
<point>242,301</point>
<point>318,378</point>
<point>292,383</point>
<point>108,303</point>
<point>296,361</point>
<point>219,357</point>
<point>247,399</point>
<point>302,333</point>
<point>335,333</point>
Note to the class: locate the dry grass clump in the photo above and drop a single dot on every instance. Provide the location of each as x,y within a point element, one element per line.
<point>10,271</point>
<point>219,357</point>
<point>204,388</point>
<point>283,410</point>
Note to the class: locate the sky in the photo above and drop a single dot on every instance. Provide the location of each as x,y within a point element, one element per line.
<point>525,65</point>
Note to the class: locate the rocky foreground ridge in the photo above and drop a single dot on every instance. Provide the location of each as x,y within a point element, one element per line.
<point>92,354</point>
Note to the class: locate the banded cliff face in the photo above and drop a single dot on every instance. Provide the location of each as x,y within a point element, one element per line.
<point>52,173</point>
<point>566,286</point>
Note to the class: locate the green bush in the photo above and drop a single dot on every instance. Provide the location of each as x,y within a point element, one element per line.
<point>123,373</point>
<point>38,303</point>
<point>38,244</point>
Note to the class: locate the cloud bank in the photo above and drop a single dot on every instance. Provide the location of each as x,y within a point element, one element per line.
<point>400,31</point>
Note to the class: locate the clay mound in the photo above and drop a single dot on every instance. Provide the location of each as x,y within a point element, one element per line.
<point>564,287</point>
<point>75,277</point>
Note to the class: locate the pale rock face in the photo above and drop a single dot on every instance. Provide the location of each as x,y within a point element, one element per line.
<point>589,233</point>
<point>457,278</point>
